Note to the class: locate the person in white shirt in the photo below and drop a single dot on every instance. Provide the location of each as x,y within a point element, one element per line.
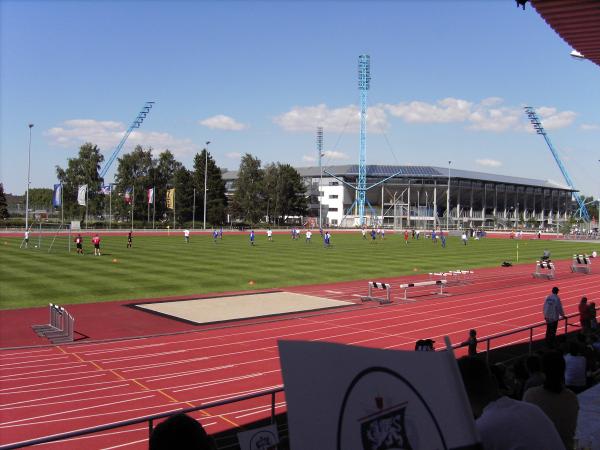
<point>308,236</point>
<point>575,369</point>
<point>186,235</point>
<point>26,238</point>
<point>269,234</point>
<point>464,238</point>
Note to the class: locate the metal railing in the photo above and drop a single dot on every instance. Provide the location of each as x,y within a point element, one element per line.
<point>150,419</point>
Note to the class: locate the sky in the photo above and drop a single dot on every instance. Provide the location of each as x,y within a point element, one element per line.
<point>449,82</point>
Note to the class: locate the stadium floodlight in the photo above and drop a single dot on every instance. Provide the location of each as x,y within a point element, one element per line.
<point>320,152</point>
<point>205,179</point>
<point>28,181</point>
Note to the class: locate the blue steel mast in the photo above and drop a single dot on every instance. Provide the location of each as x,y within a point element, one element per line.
<point>135,124</point>
<point>537,125</point>
<point>364,83</point>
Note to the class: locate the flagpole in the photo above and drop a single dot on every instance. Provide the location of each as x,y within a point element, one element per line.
<point>173,210</point>
<point>62,206</point>
<point>132,204</point>
<point>194,211</point>
<point>153,205</point>
<point>110,206</point>
<point>86,208</point>
<point>148,215</point>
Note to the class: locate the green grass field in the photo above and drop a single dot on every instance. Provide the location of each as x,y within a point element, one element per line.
<point>159,266</point>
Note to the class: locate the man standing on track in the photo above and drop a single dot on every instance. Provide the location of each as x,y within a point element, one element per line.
<point>553,310</point>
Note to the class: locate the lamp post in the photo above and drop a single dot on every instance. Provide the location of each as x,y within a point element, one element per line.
<point>28,180</point>
<point>448,199</point>
<point>205,179</point>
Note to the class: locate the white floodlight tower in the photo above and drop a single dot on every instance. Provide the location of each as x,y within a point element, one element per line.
<point>364,84</point>
<point>320,153</point>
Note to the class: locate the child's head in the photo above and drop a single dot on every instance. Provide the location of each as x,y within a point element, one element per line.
<point>473,333</point>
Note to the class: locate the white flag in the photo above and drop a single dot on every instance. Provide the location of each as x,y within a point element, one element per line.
<point>81,194</point>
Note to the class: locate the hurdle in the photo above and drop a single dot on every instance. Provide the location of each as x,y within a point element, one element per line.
<point>378,285</point>
<point>456,276</point>
<point>544,269</point>
<point>581,263</point>
<point>53,321</point>
<point>407,286</point>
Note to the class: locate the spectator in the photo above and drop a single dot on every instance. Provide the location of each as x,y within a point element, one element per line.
<point>536,376</point>
<point>424,345</point>
<point>553,310</point>
<point>575,369</point>
<point>584,315</point>
<point>593,318</point>
<point>559,404</point>
<point>180,432</point>
<point>471,342</point>
<point>504,423</point>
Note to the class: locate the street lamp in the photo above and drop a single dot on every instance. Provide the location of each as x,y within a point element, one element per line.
<point>205,178</point>
<point>448,198</point>
<point>28,180</point>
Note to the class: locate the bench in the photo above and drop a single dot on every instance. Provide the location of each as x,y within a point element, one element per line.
<point>407,286</point>
<point>581,263</point>
<point>376,285</point>
<point>544,269</point>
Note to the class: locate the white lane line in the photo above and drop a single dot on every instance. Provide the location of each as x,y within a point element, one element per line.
<point>69,411</point>
<point>333,292</point>
<point>36,362</point>
<point>230,395</point>
<point>221,381</point>
<point>51,382</point>
<point>127,444</point>
<point>73,386</point>
<point>37,377</point>
<point>71,401</point>
<point>66,419</point>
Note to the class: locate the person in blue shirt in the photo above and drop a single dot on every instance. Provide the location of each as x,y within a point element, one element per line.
<point>373,234</point>
<point>252,237</point>
<point>327,239</point>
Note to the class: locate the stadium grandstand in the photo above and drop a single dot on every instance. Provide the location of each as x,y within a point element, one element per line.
<point>416,197</point>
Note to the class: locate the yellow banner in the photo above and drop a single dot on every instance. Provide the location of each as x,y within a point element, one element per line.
<point>171,198</point>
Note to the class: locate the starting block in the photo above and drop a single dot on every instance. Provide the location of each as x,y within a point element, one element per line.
<point>378,286</point>
<point>544,269</point>
<point>581,263</point>
<point>407,286</point>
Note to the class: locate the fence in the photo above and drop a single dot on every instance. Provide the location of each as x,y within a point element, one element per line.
<point>150,419</point>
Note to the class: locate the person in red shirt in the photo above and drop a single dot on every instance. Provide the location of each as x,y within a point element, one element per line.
<point>79,244</point>
<point>96,242</point>
<point>406,237</point>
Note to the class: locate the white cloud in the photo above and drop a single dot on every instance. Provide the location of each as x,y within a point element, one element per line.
<point>553,120</point>
<point>334,155</point>
<point>309,158</point>
<point>589,126</point>
<point>233,155</point>
<point>107,134</point>
<point>444,111</point>
<point>223,122</point>
<point>488,162</point>
<point>336,120</point>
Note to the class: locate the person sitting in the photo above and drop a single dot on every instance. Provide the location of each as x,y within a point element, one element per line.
<point>504,423</point>
<point>536,376</point>
<point>546,255</point>
<point>560,404</point>
<point>180,432</point>
<point>575,369</point>
<point>424,345</point>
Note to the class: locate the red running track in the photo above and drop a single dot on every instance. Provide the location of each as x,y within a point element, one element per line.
<point>50,390</point>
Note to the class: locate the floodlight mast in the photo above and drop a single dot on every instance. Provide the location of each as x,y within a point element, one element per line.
<point>135,124</point>
<point>364,84</point>
<point>537,126</point>
<point>320,153</point>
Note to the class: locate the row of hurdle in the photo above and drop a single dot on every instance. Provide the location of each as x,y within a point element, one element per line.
<point>547,270</point>
<point>60,326</point>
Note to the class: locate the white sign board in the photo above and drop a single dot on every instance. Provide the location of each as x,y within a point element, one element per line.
<point>263,438</point>
<point>75,225</point>
<point>342,397</point>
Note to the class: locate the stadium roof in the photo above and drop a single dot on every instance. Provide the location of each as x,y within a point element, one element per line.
<point>576,21</point>
<point>383,171</point>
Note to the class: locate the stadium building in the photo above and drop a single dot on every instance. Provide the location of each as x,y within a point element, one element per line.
<point>417,196</point>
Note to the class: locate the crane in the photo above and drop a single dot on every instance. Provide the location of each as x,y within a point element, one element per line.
<point>537,125</point>
<point>135,124</point>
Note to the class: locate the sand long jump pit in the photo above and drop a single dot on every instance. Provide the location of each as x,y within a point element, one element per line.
<point>239,307</point>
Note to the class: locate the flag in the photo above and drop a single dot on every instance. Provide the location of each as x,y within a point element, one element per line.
<point>57,196</point>
<point>171,198</point>
<point>105,190</point>
<point>128,196</point>
<point>150,196</point>
<point>81,194</point>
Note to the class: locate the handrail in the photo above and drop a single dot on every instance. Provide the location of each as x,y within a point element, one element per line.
<point>150,419</point>
<point>272,392</point>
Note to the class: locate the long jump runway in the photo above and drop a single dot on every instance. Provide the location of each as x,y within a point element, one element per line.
<point>50,390</point>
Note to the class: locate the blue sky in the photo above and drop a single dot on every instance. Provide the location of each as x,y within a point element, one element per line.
<point>449,80</point>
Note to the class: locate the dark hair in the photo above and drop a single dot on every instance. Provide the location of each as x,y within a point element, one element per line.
<point>180,432</point>
<point>583,300</point>
<point>555,290</point>
<point>553,364</point>
<point>472,332</point>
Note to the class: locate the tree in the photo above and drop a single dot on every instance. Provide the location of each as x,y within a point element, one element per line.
<point>184,193</point>
<point>216,201</point>
<point>163,178</point>
<point>247,202</point>
<point>284,191</point>
<point>135,172</point>
<point>3,205</point>
<point>40,198</point>
<point>84,169</point>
